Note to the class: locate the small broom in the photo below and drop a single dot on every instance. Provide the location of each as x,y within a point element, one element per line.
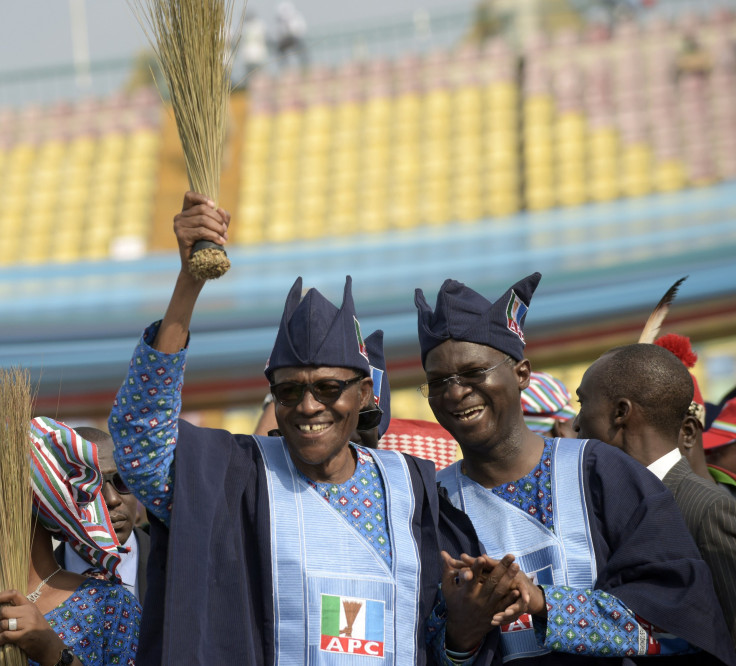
<point>16,496</point>
<point>190,39</point>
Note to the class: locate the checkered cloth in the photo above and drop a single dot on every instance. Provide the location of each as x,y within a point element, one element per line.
<point>423,439</point>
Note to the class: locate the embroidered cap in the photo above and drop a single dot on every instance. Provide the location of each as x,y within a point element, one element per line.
<point>545,401</point>
<point>313,332</point>
<point>723,430</point>
<point>680,346</point>
<point>67,493</point>
<point>381,391</point>
<point>463,314</point>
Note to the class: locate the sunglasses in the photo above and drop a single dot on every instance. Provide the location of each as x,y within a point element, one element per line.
<point>326,391</point>
<point>369,419</point>
<point>116,481</point>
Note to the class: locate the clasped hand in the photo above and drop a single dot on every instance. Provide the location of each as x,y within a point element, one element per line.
<point>482,593</point>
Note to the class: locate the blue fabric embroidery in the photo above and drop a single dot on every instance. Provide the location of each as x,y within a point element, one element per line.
<point>533,493</point>
<point>100,623</point>
<point>143,419</point>
<point>594,623</point>
<point>361,501</point>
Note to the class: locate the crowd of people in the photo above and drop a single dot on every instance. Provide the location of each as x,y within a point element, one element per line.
<point>606,536</point>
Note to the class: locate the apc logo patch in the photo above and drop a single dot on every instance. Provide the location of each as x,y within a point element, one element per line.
<point>352,626</point>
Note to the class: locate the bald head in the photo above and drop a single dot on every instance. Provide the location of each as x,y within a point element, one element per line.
<point>104,443</point>
<point>653,378</point>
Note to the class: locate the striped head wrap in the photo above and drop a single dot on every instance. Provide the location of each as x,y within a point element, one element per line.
<point>545,401</point>
<point>67,493</point>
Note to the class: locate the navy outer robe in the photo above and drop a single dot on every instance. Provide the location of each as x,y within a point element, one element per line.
<point>646,557</point>
<point>210,587</point>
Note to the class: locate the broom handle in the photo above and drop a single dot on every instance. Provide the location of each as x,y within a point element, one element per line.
<point>205,244</point>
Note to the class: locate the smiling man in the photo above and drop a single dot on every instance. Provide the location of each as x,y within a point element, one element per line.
<point>304,548</point>
<point>617,573</point>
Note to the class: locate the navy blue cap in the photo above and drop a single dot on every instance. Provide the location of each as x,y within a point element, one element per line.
<point>381,391</point>
<point>463,314</point>
<point>313,332</point>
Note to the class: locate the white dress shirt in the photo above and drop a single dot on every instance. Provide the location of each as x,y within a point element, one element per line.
<point>662,465</point>
<point>127,569</point>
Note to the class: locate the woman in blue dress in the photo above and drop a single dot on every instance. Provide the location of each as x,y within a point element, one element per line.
<point>66,618</point>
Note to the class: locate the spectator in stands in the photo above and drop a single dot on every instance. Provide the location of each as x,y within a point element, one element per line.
<point>238,579</point>
<point>488,22</point>
<point>291,30</point>
<point>252,51</point>
<point>122,507</point>
<point>693,59</point>
<point>719,442</point>
<point>635,398</point>
<point>67,618</point>
<point>601,536</point>
<point>547,406</point>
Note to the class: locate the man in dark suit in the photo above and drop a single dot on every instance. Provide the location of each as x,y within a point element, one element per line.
<point>636,398</point>
<point>123,508</point>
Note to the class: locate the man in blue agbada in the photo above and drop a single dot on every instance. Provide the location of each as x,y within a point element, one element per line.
<point>618,576</point>
<point>303,548</point>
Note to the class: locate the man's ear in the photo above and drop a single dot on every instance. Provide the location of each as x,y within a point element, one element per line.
<point>689,432</point>
<point>366,392</point>
<point>523,371</point>
<point>623,411</point>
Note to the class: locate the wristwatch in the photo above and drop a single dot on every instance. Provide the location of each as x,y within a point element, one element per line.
<point>66,658</point>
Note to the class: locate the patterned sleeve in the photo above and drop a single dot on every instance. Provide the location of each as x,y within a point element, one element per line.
<point>435,635</point>
<point>143,424</point>
<point>121,627</point>
<point>595,623</point>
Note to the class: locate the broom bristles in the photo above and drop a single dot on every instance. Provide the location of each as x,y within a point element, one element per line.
<point>16,495</point>
<point>191,42</point>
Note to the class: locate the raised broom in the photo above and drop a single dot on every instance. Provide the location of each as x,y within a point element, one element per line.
<point>191,42</point>
<point>16,496</point>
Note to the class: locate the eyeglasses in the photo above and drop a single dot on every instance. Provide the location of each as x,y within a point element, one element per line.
<point>468,378</point>
<point>116,481</point>
<point>326,391</point>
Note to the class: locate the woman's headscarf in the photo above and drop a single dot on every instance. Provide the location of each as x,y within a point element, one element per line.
<point>67,493</point>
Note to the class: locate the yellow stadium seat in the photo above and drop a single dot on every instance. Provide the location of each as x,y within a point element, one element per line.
<point>498,120</point>
<point>539,153</point>
<point>540,197</point>
<point>603,189</point>
<point>538,107</point>
<point>503,180</point>
<point>467,99</point>
<point>539,175</point>
<point>502,99</point>
<point>404,217</point>
<point>503,203</point>
<point>438,102</point>
<point>371,220</point>
<point>636,170</point>
<point>571,192</point>
<point>279,231</point>
<point>251,234</point>
<point>670,176</point>
<point>501,143</point>
<point>318,118</point>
